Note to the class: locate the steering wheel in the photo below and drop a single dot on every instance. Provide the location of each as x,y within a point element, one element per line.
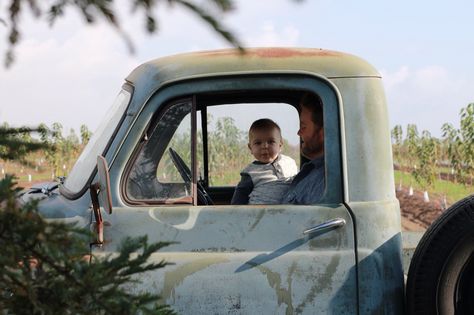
<point>185,172</point>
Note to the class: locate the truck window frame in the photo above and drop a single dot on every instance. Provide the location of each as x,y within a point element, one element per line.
<point>223,87</point>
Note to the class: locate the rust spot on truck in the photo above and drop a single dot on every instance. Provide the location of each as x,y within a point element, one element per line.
<point>272,53</point>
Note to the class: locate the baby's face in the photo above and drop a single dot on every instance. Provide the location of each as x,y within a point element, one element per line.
<point>265,145</point>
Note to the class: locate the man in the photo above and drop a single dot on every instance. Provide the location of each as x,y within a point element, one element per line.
<point>309,184</point>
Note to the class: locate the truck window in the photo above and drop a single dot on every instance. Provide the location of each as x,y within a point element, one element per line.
<point>153,176</point>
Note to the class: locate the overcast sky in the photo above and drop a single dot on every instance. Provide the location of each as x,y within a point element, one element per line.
<point>71,73</point>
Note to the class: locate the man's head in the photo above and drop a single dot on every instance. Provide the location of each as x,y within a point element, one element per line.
<point>311,126</point>
<point>265,140</point>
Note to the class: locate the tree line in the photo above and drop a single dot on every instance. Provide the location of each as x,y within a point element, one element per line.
<point>57,151</point>
<point>426,157</point>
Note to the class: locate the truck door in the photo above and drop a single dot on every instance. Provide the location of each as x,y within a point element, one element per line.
<point>175,184</point>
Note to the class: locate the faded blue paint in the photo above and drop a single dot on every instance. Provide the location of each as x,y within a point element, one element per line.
<point>283,263</point>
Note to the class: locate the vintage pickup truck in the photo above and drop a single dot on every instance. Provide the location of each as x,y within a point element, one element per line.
<point>165,169</point>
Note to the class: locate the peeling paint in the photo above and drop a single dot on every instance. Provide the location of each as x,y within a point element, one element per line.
<point>260,215</point>
<point>320,283</point>
<point>274,280</point>
<point>176,277</point>
<point>330,271</point>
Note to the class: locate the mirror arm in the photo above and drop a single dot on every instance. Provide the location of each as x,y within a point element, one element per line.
<point>99,224</point>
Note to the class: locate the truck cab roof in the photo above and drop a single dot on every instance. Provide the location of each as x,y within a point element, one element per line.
<point>326,63</point>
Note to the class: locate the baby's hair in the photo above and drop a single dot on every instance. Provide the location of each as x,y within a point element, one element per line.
<point>264,124</point>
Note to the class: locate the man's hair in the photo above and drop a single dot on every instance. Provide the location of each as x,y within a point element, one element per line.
<point>313,103</point>
<point>264,124</point>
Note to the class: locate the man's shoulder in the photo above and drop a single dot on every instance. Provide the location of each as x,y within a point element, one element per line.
<point>318,162</point>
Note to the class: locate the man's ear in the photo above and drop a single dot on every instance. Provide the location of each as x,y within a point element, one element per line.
<point>321,133</point>
<point>248,145</point>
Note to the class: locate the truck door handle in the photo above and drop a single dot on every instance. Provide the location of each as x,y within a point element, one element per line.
<point>326,226</point>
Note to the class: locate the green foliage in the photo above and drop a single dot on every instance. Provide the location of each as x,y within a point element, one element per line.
<point>27,149</point>
<point>86,134</point>
<point>454,148</point>
<point>181,143</point>
<point>397,135</point>
<point>61,150</point>
<point>411,143</point>
<point>45,269</point>
<point>426,152</point>
<point>45,266</point>
<point>16,143</point>
<point>426,156</point>
<point>397,141</point>
<point>94,10</point>
<point>53,137</point>
<point>467,133</point>
<point>460,144</point>
<point>228,152</point>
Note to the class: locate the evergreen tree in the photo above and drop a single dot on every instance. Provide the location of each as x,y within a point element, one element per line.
<point>45,267</point>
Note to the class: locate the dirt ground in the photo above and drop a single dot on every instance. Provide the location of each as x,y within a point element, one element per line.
<point>417,214</point>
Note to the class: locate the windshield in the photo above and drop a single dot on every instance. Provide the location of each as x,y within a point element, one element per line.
<point>86,162</point>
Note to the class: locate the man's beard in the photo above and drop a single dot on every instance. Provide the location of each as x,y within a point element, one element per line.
<point>312,151</point>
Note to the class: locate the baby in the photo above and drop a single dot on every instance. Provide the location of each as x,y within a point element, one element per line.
<point>265,180</point>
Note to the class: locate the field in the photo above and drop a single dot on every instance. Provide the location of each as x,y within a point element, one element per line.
<point>37,173</point>
<point>453,191</point>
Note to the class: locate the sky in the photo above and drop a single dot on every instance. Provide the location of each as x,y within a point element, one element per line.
<point>70,73</point>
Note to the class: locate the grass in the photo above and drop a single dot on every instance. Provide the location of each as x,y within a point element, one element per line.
<point>21,172</point>
<point>453,191</point>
